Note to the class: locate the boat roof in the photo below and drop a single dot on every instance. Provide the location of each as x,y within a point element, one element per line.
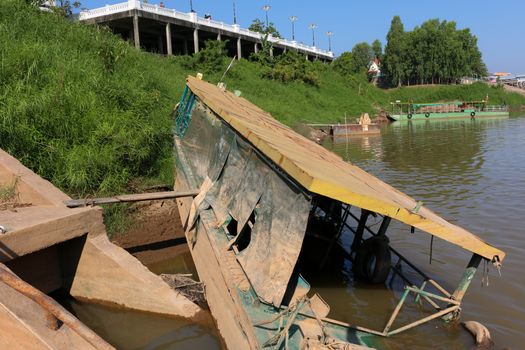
<point>325,173</point>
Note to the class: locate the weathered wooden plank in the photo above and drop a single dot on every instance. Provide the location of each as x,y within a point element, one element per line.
<point>75,203</point>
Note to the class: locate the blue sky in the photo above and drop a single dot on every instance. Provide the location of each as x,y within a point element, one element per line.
<point>498,24</point>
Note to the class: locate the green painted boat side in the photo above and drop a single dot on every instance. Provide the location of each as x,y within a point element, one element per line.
<point>451,115</point>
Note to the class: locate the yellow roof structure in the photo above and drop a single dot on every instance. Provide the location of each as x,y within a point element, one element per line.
<point>323,172</point>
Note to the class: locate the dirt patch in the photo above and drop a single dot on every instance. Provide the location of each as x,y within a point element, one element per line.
<point>156,233</point>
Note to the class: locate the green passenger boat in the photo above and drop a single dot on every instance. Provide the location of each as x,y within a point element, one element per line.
<point>403,111</point>
<point>270,216</point>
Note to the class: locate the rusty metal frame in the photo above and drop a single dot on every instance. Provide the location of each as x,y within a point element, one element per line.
<point>453,300</point>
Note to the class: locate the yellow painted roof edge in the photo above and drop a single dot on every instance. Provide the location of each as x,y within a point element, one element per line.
<point>468,241</point>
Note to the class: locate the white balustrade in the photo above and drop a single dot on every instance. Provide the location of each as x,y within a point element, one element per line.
<point>192,17</point>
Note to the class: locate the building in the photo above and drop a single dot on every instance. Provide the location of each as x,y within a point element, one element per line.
<point>168,31</point>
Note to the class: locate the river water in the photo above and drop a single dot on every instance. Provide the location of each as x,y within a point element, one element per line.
<point>473,174</point>
<point>470,172</point>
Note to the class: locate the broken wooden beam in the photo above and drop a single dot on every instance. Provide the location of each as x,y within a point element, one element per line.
<point>75,203</point>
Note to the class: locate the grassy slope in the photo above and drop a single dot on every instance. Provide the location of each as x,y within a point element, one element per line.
<point>90,113</point>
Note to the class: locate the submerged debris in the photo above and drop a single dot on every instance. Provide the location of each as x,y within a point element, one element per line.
<point>480,333</point>
<point>184,284</point>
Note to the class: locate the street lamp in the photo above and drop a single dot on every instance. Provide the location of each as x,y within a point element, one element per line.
<point>312,27</point>
<point>293,19</point>
<point>191,6</point>
<point>329,34</point>
<point>234,14</point>
<point>266,8</point>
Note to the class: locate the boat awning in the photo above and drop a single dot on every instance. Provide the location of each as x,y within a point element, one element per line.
<point>323,172</point>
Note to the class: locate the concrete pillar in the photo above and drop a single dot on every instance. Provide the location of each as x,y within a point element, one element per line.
<point>219,38</point>
<point>160,45</point>
<point>239,49</point>
<point>271,51</point>
<point>306,56</point>
<point>196,40</point>
<point>256,48</point>
<point>136,36</point>
<point>186,51</point>
<point>168,39</point>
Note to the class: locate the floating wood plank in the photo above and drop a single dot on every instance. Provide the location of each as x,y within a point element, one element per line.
<point>75,203</point>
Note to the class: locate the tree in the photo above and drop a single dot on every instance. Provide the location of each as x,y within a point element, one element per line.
<point>393,60</point>
<point>362,54</point>
<point>344,64</point>
<point>259,27</point>
<point>61,7</point>
<point>377,49</point>
<point>435,52</point>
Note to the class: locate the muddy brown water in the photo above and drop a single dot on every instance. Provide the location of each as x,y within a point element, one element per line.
<point>471,172</point>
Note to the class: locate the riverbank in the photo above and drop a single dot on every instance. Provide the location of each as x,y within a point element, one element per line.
<point>154,233</point>
<point>88,112</point>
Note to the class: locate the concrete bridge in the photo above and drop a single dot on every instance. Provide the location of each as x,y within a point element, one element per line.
<point>170,32</point>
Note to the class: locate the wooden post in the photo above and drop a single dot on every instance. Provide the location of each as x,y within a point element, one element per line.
<point>136,35</point>
<point>168,39</point>
<point>196,40</point>
<point>239,48</point>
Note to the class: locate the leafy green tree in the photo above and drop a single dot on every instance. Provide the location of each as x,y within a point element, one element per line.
<point>259,27</point>
<point>344,64</point>
<point>435,52</point>
<point>377,49</point>
<point>394,51</point>
<point>61,7</point>
<point>362,54</point>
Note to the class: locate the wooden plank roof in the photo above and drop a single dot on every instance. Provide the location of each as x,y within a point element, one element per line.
<point>323,172</point>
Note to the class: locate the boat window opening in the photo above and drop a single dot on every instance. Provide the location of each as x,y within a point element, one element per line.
<point>245,236</point>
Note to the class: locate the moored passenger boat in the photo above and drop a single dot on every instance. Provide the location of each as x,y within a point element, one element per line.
<point>403,111</point>
<point>273,207</point>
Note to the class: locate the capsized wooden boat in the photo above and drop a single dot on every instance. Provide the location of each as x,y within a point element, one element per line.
<point>273,204</point>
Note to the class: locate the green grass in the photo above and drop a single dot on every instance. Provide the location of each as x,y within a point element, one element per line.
<point>93,115</point>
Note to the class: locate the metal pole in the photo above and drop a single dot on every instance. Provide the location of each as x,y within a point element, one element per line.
<point>329,34</point>
<point>312,27</point>
<point>234,14</point>
<point>293,19</point>
<point>266,8</point>
<point>191,6</point>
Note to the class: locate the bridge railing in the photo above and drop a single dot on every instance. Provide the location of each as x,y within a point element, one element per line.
<point>192,17</point>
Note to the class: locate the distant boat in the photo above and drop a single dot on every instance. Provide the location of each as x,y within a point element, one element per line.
<point>402,111</point>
